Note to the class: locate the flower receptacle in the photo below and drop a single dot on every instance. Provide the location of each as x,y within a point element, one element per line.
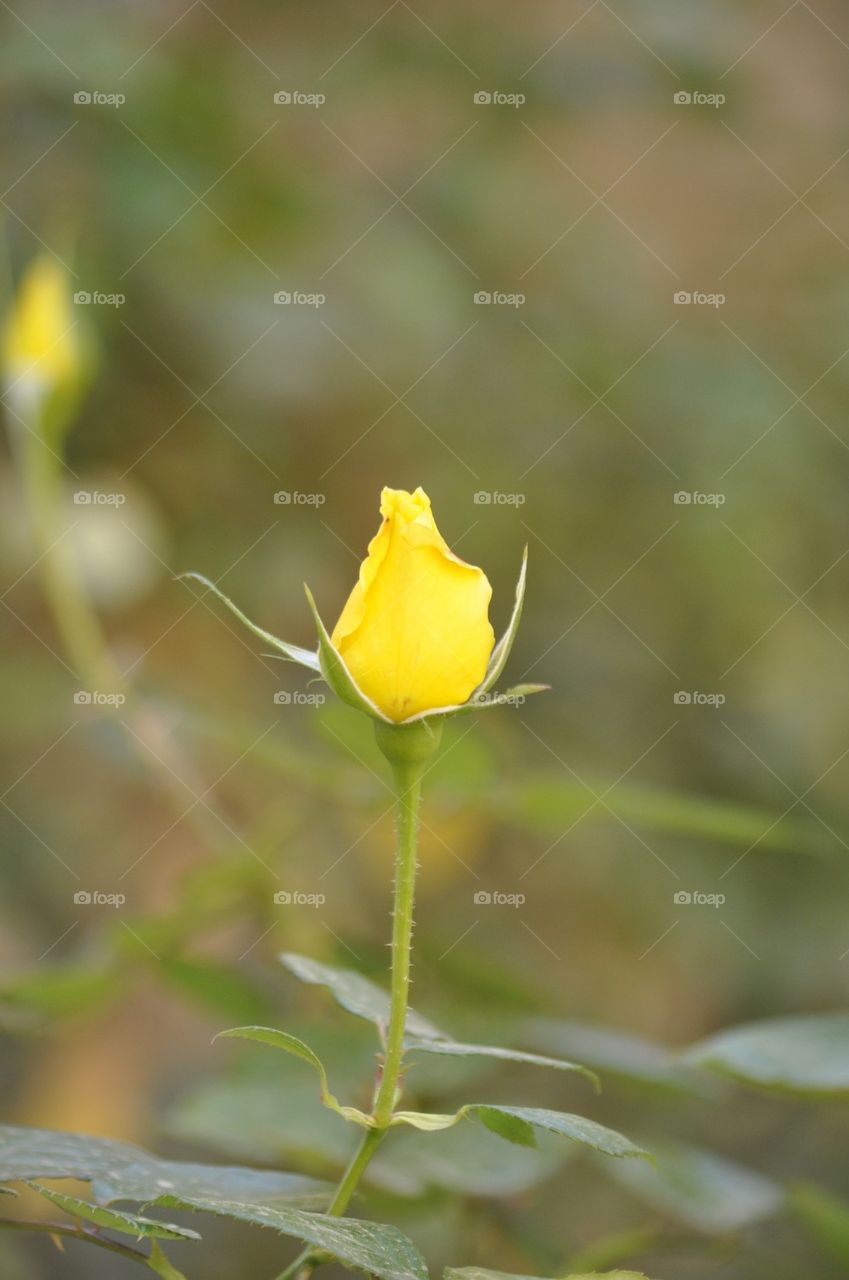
<point>408,745</point>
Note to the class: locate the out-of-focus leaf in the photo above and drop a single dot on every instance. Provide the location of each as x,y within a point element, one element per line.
<point>216,987</point>
<point>517,1124</point>
<point>606,1250</point>
<point>356,994</point>
<point>118,1171</point>
<point>617,1053</point>
<point>372,1247</point>
<point>825,1216</point>
<point>701,1189</point>
<point>452,1048</point>
<point>804,1055</point>
<point>54,992</point>
<point>484,1273</point>
<point>551,803</point>
<point>291,1044</point>
<point>271,1120</point>
<point>113,1219</point>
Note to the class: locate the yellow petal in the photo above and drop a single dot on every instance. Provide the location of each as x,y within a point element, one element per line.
<point>414,633</point>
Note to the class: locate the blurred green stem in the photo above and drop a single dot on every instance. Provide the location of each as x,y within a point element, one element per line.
<point>77,622</point>
<point>83,639</point>
<point>408,787</point>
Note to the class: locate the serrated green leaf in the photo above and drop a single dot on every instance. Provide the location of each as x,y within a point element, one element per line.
<point>517,1124</point>
<point>511,1127</point>
<point>335,672</point>
<point>118,1171</point>
<point>453,1048</point>
<point>701,1189</point>
<point>804,1055</point>
<point>578,1128</point>
<point>291,1044</point>
<point>372,1247</point>
<point>217,987</point>
<point>501,652</point>
<point>113,1219</point>
<point>292,652</point>
<point>356,993</point>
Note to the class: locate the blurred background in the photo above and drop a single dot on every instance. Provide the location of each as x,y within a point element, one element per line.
<point>580,271</point>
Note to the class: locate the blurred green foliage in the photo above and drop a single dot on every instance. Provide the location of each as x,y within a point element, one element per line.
<point>595,402</point>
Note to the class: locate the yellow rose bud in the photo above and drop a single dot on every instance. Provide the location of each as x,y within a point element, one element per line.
<point>40,342</point>
<point>414,633</point>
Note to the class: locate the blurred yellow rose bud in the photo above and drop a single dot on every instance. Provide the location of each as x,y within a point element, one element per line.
<point>44,354</point>
<point>415,633</point>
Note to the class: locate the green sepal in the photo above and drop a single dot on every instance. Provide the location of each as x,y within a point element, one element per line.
<point>501,652</point>
<point>518,1124</point>
<point>337,675</point>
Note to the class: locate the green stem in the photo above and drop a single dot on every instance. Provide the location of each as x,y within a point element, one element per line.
<point>408,785</point>
<point>350,1179</point>
<point>408,782</point>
